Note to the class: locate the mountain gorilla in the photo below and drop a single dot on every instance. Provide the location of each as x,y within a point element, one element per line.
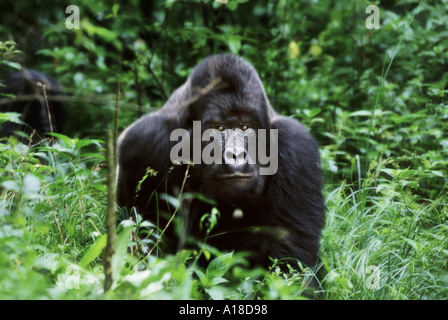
<point>276,213</point>
<point>27,86</point>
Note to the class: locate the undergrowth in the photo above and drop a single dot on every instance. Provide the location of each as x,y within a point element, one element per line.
<point>381,241</point>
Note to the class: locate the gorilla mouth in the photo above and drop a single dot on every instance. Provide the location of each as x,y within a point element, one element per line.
<point>242,182</point>
<point>236,176</point>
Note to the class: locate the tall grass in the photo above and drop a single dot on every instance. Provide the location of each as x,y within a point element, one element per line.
<point>381,241</point>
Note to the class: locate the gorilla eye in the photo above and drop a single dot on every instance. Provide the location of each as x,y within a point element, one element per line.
<point>220,128</point>
<point>245,127</point>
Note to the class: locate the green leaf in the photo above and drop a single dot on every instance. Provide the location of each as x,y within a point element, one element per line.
<point>219,266</point>
<point>46,52</point>
<point>11,117</point>
<point>13,65</point>
<point>415,245</point>
<point>199,196</point>
<point>31,186</point>
<point>201,276</point>
<point>115,9</point>
<point>361,113</point>
<point>68,141</point>
<point>94,251</point>
<point>86,142</point>
<point>210,219</point>
<point>11,185</point>
<point>121,250</point>
<point>218,280</point>
<point>215,293</point>
<point>171,200</point>
<point>314,112</point>
<point>234,44</point>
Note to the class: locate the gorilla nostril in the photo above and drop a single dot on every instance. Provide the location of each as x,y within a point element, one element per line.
<point>241,157</point>
<point>229,156</point>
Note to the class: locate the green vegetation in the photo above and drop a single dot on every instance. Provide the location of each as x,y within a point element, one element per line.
<point>375,100</point>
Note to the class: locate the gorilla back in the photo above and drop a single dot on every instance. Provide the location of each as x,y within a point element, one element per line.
<point>223,100</point>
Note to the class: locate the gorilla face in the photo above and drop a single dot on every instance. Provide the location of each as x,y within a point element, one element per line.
<point>233,146</point>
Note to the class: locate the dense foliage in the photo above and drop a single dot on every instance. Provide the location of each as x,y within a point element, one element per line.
<point>375,100</point>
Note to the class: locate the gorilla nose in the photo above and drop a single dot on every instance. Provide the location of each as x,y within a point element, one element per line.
<point>235,156</point>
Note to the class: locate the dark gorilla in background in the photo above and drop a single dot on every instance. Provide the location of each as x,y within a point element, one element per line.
<point>30,102</point>
<point>282,213</point>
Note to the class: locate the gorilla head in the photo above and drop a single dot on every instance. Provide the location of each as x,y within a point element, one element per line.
<point>246,157</point>
<point>230,106</point>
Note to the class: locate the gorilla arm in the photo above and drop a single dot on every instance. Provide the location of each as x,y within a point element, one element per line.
<point>142,146</point>
<point>295,195</point>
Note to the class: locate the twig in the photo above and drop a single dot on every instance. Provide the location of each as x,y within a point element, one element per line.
<point>159,84</point>
<point>103,100</point>
<point>44,92</point>
<point>174,213</point>
<point>215,84</point>
<point>55,217</point>
<point>110,214</point>
<point>138,89</point>
<point>117,101</point>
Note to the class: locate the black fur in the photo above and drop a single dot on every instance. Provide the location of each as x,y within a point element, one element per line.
<point>30,102</point>
<point>282,213</point>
